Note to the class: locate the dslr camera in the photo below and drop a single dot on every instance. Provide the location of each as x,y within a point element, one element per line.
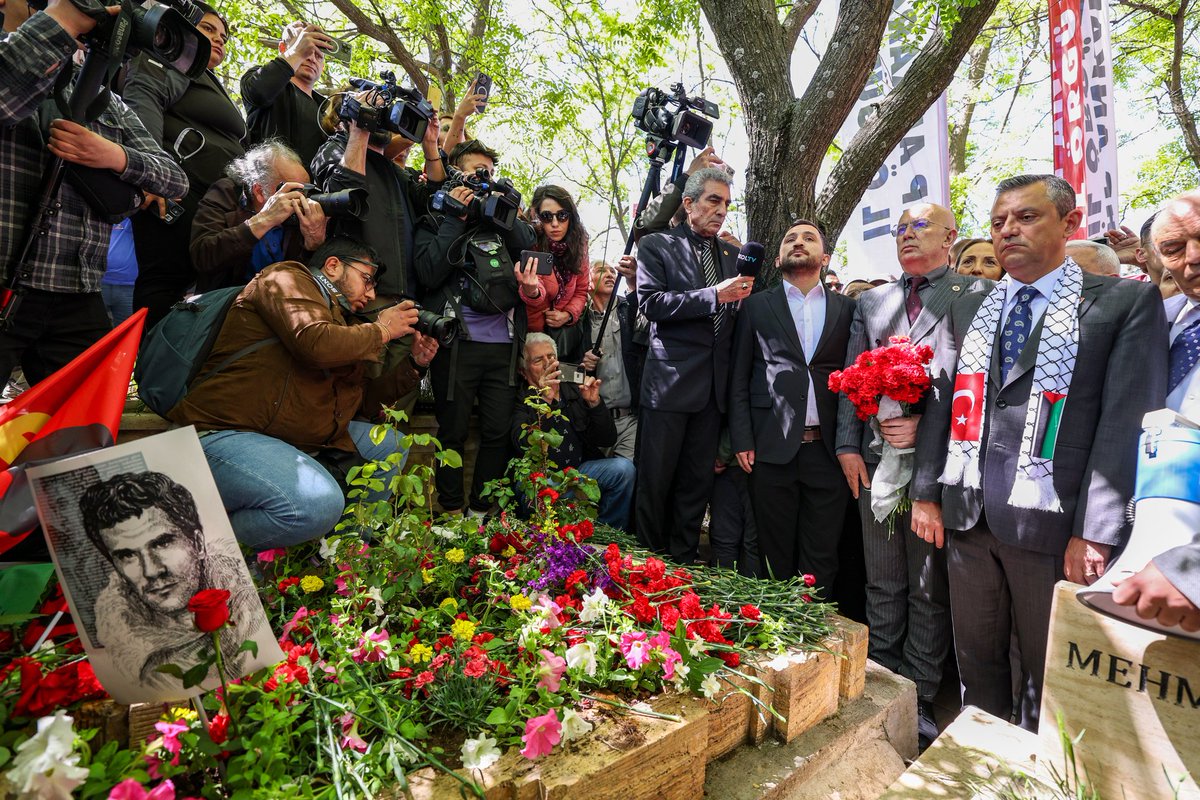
<point>346,203</point>
<point>389,107</point>
<point>496,202</point>
<point>444,329</point>
<point>671,116</point>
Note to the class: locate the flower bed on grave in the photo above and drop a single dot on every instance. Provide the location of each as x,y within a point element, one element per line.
<point>438,646</point>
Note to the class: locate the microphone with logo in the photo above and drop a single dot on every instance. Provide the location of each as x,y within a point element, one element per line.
<point>749,261</point>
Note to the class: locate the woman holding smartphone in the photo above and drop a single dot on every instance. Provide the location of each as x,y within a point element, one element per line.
<point>555,294</point>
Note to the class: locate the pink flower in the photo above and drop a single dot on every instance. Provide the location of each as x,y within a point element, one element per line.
<point>551,670</point>
<point>300,615</point>
<point>661,642</point>
<point>635,648</point>
<point>341,586</point>
<point>350,738</point>
<point>370,647</point>
<point>129,789</point>
<point>550,610</point>
<point>541,734</point>
<point>170,738</point>
<point>267,556</point>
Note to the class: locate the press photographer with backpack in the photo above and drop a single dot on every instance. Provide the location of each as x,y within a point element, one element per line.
<point>464,260</point>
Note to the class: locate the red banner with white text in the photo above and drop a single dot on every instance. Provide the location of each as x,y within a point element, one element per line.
<point>1067,95</point>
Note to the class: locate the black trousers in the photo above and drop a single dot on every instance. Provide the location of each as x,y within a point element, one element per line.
<point>49,330</point>
<point>799,508</point>
<point>480,369</point>
<point>731,531</point>
<point>676,453</point>
<point>164,267</point>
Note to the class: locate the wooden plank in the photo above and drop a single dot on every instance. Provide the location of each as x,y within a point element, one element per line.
<point>806,690</point>
<point>852,636</point>
<point>1133,693</point>
<point>729,714</point>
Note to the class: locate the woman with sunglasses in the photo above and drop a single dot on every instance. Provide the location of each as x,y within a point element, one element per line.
<point>555,302</point>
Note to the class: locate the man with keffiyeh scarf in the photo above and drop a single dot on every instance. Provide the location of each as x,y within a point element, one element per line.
<point>1055,369</point>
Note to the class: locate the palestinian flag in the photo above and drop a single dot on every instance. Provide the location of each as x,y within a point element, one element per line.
<point>75,410</point>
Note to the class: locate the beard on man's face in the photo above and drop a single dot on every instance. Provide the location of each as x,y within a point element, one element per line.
<point>800,263</point>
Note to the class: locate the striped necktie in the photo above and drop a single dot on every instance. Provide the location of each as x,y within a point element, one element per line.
<point>711,278</point>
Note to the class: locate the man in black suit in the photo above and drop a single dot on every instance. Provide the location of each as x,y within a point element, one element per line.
<point>687,287</point>
<point>782,416</point>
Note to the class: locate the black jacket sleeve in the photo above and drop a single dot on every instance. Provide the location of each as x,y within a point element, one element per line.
<point>262,85</point>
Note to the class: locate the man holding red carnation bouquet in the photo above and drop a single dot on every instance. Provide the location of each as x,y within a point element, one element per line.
<point>782,415</point>
<point>1056,368</point>
<point>908,599</point>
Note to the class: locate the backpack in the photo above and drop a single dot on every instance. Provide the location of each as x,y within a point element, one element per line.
<point>176,349</point>
<point>489,285</point>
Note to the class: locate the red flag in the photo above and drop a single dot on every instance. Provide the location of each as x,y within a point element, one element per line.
<point>75,410</point>
<point>966,407</point>
<point>1067,101</point>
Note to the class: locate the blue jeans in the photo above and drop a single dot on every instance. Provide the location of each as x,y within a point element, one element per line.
<point>118,301</point>
<point>616,477</point>
<point>278,496</point>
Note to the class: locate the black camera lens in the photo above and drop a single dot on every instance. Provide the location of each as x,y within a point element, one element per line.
<point>346,203</point>
<point>444,329</point>
<point>161,30</point>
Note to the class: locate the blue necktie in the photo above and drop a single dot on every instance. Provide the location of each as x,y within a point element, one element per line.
<point>1185,353</point>
<point>1016,331</point>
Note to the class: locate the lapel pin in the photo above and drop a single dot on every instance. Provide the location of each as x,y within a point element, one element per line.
<point>956,288</point>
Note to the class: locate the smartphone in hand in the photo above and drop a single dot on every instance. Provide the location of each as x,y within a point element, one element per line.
<point>174,212</point>
<point>571,373</point>
<point>483,86</point>
<point>545,261</point>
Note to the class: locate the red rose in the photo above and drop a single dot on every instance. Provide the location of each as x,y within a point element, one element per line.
<point>210,609</point>
<point>218,729</point>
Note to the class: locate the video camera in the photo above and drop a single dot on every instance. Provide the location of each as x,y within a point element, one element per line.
<point>669,116</point>
<point>346,203</point>
<point>496,202</point>
<point>403,111</point>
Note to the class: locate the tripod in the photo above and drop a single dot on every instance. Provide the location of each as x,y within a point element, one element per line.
<point>660,151</point>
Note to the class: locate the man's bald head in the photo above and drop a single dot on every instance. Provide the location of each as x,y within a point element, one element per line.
<point>1176,238</point>
<point>924,235</point>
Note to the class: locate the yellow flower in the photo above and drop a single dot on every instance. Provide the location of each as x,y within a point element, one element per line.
<point>420,653</point>
<point>427,576</point>
<point>520,602</point>
<point>509,551</point>
<point>311,583</point>
<point>449,604</point>
<point>463,629</point>
<point>455,556</point>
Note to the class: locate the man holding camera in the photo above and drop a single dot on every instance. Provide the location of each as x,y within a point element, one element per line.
<point>61,312</point>
<point>257,215</point>
<point>280,96</point>
<point>464,268</point>
<point>278,423</point>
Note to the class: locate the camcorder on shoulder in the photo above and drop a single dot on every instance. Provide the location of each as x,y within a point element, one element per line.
<point>670,116</point>
<point>389,107</point>
<point>496,202</point>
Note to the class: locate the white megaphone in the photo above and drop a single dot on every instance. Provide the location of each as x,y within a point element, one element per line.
<point>1166,511</point>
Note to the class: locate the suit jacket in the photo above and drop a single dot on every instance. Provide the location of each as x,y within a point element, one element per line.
<point>880,313</point>
<point>685,362</point>
<point>1120,374</point>
<point>1181,566</point>
<point>769,381</point>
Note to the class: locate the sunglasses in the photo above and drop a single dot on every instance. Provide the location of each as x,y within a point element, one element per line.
<point>561,216</point>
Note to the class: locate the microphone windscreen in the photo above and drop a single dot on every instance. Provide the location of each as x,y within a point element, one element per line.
<point>749,259</point>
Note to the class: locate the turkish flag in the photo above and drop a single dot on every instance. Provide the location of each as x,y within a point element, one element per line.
<point>75,410</point>
<point>966,407</point>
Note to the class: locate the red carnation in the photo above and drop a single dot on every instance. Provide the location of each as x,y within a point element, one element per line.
<point>210,609</point>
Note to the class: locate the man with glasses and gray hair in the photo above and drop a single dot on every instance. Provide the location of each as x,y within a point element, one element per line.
<point>908,599</point>
<point>286,398</point>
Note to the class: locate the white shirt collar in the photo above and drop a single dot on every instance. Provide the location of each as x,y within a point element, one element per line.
<point>1045,284</point>
<point>796,292</point>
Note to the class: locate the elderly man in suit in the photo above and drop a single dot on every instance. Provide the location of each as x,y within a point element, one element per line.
<point>1055,369</point>
<point>908,595</point>
<point>782,416</point>
<point>688,288</point>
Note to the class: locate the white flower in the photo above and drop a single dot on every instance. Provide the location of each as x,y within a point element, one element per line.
<point>680,679</point>
<point>710,686</point>
<point>594,606</point>
<point>376,596</point>
<point>574,726</point>
<point>480,753</point>
<point>329,549</point>
<point>445,533</point>
<point>46,765</point>
<point>696,647</point>
<point>582,655</point>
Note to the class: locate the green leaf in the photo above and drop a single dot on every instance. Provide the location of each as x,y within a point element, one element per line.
<point>450,458</point>
<point>499,715</point>
<point>170,669</point>
<point>21,587</point>
<point>249,646</point>
<point>195,675</point>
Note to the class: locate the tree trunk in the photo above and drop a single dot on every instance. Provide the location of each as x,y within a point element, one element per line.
<point>959,132</point>
<point>1179,107</point>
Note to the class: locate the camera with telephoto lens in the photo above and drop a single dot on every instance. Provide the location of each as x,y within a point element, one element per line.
<point>444,329</point>
<point>496,202</point>
<point>669,116</point>
<point>389,107</point>
<point>348,203</point>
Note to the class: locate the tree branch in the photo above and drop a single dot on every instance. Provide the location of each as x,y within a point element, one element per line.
<point>797,17</point>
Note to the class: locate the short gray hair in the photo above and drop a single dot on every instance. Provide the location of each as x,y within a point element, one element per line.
<point>536,338</point>
<point>1106,257</point>
<point>701,177</point>
<point>1061,193</point>
<point>258,165</point>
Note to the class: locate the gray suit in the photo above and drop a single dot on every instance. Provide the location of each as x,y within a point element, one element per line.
<point>1005,560</point>
<point>908,599</point>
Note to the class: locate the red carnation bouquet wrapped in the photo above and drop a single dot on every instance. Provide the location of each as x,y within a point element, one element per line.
<point>883,384</point>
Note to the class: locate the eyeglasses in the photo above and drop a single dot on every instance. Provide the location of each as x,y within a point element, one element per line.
<point>561,216</point>
<point>367,277</point>
<point>917,225</point>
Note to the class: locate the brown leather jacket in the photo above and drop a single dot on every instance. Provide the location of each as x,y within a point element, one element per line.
<point>305,388</point>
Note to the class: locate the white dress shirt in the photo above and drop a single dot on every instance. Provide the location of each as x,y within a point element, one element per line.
<point>1045,286</point>
<point>1186,396</point>
<point>808,313</point>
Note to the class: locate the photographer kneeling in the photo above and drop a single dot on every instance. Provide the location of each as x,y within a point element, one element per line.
<point>258,215</point>
<point>588,430</point>
<point>274,421</point>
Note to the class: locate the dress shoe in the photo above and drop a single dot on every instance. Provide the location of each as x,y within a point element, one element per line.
<point>927,729</point>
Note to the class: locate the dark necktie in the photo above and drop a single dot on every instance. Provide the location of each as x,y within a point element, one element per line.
<point>709,265</point>
<point>1185,353</point>
<point>1016,331</point>
<point>912,303</point>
